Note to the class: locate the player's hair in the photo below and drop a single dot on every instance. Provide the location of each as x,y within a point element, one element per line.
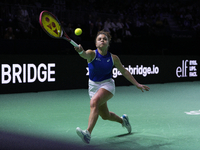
<point>105,33</point>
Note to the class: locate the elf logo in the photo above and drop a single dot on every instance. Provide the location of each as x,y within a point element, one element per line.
<point>188,69</point>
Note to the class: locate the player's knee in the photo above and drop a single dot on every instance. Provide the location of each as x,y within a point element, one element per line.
<point>105,117</point>
<point>94,103</point>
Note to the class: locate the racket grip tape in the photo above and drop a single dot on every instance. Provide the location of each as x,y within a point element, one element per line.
<point>74,43</point>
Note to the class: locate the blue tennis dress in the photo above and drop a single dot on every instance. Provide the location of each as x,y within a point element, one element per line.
<point>100,68</point>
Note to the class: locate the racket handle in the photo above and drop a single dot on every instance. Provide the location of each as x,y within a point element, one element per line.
<point>74,43</point>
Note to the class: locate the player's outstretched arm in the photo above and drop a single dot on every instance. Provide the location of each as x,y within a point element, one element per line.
<point>127,74</point>
<point>89,54</point>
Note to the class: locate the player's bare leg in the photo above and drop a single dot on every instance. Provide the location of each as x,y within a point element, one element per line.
<point>99,99</point>
<point>107,115</point>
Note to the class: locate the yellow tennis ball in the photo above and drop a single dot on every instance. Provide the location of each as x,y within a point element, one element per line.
<point>78,31</point>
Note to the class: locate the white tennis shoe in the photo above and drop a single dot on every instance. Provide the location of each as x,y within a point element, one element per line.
<point>84,135</point>
<point>126,123</point>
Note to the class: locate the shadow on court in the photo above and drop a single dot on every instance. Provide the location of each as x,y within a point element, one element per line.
<point>137,141</point>
<point>11,141</point>
<point>122,135</point>
<point>127,141</point>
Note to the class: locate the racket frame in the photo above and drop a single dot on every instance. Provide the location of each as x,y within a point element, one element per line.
<point>63,33</point>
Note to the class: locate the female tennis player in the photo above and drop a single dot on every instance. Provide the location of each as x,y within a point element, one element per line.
<point>101,84</point>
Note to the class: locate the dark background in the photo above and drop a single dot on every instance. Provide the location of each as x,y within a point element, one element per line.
<point>157,27</point>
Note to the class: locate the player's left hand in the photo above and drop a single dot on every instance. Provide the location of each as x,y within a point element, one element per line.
<point>143,87</point>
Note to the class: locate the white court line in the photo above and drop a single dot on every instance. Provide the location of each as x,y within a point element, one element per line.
<point>193,112</point>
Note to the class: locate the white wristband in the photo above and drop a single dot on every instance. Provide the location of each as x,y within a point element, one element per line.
<point>80,52</point>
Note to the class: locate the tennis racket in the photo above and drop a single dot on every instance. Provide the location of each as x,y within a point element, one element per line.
<point>52,26</point>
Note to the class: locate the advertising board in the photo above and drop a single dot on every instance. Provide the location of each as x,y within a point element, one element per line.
<point>34,73</point>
